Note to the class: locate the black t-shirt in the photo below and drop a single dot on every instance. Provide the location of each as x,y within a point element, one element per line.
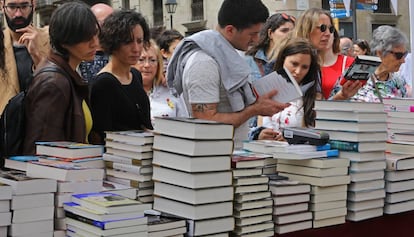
<point>24,65</point>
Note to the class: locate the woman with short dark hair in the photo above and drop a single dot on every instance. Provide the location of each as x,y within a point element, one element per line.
<point>118,99</point>
<point>56,102</point>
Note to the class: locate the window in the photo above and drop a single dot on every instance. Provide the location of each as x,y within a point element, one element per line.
<point>158,13</point>
<point>197,10</point>
<point>383,7</point>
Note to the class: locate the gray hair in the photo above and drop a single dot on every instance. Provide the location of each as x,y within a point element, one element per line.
<point>385,38</point>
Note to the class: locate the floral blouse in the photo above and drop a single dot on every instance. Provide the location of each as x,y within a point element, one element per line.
<point>395,86</point>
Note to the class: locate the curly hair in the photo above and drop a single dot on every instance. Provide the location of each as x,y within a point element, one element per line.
<point>117,29</point>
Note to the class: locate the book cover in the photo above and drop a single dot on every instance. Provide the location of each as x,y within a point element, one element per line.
<point>363,156</point>
<point>318,162</point>
<point>104,225</point>
<point>299,155</point>
<point>352,126</point>
<point>347,105</point>
<point>357,146</point>
<point>357,136</point>
<point>361,116</point>
<point>85,229</point>
<point>287,88</point>
<point>137,137</point>
<point>288,187</point>
<point>399,161</point>
<point>320,181</point>
<point>193,128</point>
<point>23,184</point>
<point>362,67</point>
<point>400,148</point>
<point>159,223</point>
<point>311,171</point>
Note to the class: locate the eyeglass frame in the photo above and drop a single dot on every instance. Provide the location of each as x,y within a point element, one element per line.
<point>20,7</point>
<point>150,61</point>
<point>324,27</point>
<point>398,55</point>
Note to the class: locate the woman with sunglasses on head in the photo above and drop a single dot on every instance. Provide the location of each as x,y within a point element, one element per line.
<point>316,25</point>
<point>388,43</point>
<point>298,57</point>
<point>361,47</point>
<point>118,99</point>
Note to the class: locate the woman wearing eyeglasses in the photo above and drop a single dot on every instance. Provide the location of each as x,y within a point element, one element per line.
<point>118,99</point>
<point>162,102</point>
<point>316,25</point>
<point>388,43</point>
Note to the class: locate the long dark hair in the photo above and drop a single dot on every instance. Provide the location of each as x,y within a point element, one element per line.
<point>2,53</point>
<point>302,46</point>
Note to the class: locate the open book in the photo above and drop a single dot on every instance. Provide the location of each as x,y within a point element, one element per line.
<point>361,68</point>
<point>287,88</point>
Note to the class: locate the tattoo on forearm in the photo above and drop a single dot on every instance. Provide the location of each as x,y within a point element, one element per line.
<point>202,107</point>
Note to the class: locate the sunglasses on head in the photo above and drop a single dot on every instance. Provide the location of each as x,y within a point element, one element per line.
<point>324,27</point>
<point>288,17</point>
<point>399,55</point>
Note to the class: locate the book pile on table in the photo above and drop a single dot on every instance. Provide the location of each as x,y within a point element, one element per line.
<point>290,205</point>
<point>105,214</point>
<point>252,202</point>
<point>32,204</point>
<point>5,214</point>
<point>72,177</point>
<point>192,173</point>
<point>128,161</point>
<point>359,131</point>
<point>328,178</point>
<point>162,226</point>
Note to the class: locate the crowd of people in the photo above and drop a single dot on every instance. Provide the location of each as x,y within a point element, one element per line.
<point>115,73</point>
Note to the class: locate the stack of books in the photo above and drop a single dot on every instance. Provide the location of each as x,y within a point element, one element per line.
<point>5,214</point>
<point>32,204</point>
<point>128,161</point>
<point>399,183</point>
<point>328,178</point>
<point>359,131</point>
<point>72,177</point>
<point>252,202</point>
<point>162,226</point>
<point>192,173</point>
<point>291,205</point>
<point>105,214</point>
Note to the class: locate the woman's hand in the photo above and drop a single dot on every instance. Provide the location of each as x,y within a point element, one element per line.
<point>270,134</point>
<point>349,89</point>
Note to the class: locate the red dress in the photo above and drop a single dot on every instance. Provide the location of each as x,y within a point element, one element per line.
<point>330,74</point>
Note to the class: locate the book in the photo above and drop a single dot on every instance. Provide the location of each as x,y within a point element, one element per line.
<point>398,101</point>
<point>195,212</point>
<point>22,184</point>
<point>357,136</point>
<point>34,228</point>
<point>240,230</point>
<point>251,160</point>
<point>194,196</point>
<point>362,67</point>
<point>360,116</point>
<point>350,126</point>
<point>303,155</point>
<point>135,169</point>
<point>191,163</point>
<point>366,195</point>
<point>363,156</point>
<point>193,147</point>
<point>104,225</point>
<point>81,227</point>
<point>65,149</point>
<point>241,181</point>
<point>400,148</point>
<point>397,120</point>
<point>290,208</point>
<point>397,175</point>
<point>367,166</point>
<point>79,186</point>
<point>366,176</point>
<point>291,199</point>
<point>180,231</point>
<point>109,203</point>
<point>63,171</point>
<point>193,128</point>
<point>399,161</point>
<point>399,114</point>
<point>251,188</point>
<point>90,162</point>
<point>347,105</point>
<point>319,181</point>
<point>33,214</point>
<point>399,196</point>
<point>320,206</point>
<point>329,189</point>
<point>192,180</point>
<point>244,197</point>
<point>399,136</point>
<point>210,226</point>
<point>253,220</point>
<point>310,171</point>
<point>318,162</point>
<point>281,80</point>
<point>5,191</point>
<point>137,137</point>
<point>132,183</point>
<point>399,186</point>
<point>366,185</point>
<point>98,215</point>
<point>328,197</point>
<point>364,214</point>
<point>393,208</point>
<point>247,172</point>
<point>303,225</point>
<point>33,200</point>
<point>128,154</point>
<point>116,188</point>
<point>238,214</point>
<point>127,175</point>
<point>5,219</point>
<point>330,213</point>
<point>128,146</point>
<point>159,223</point>
<point>295,217</point>
<point>270,147</point>
<point>126,160</point>
<point>357,146</point>
<point>364,205</point>
<point>19,162</point>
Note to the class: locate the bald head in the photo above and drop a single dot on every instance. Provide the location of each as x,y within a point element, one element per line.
<point>101,11</point>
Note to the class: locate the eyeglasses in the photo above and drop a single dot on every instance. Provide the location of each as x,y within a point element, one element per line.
<point>399,55</point>
<point>288,17</point>
<point>324,27</point>
<point>150,61</point>
<point>24,8</point>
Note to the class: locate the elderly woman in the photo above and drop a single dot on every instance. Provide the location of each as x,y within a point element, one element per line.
<point>388,43</point>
